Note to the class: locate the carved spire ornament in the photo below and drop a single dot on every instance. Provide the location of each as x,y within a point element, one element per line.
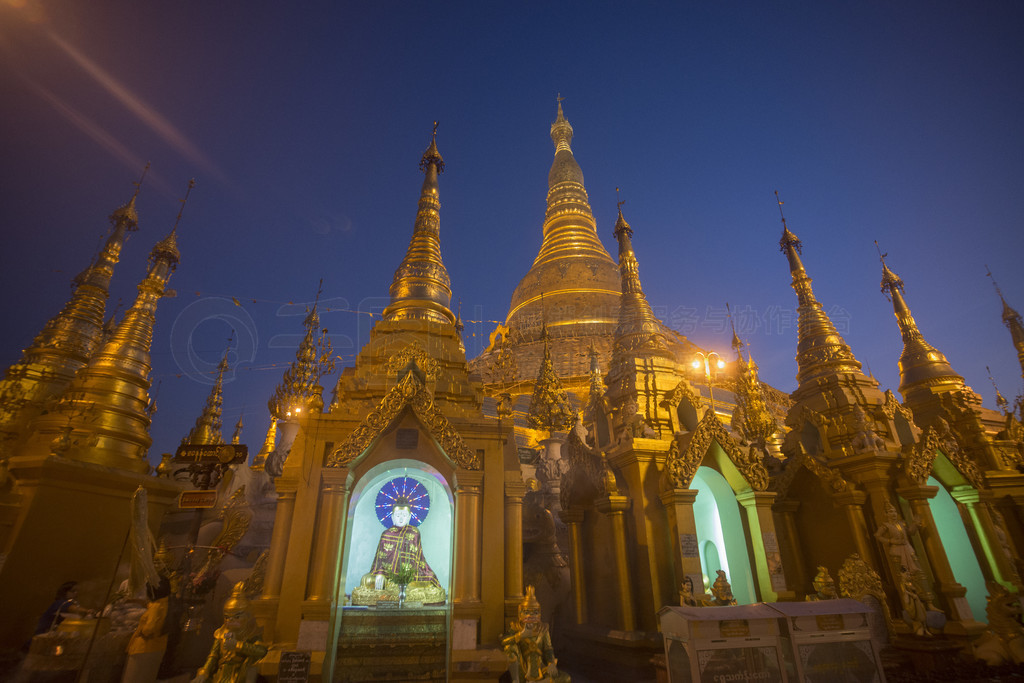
<point>103,415</point>
<point>69,339</point>
<point>300,388</point>
<point>638,332</point>
<point>549,408</point>
<point>820,349</point>
<point>421,289</point>
<point>921,365</point>
<point>1013,322</point>
<point>207,430</point>
<point>269,443</point>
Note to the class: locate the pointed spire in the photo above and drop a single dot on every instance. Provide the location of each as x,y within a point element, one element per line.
<point>207,430</point>
<point>459,327</point>
<point>269,443</point>
<point>299,390</point>
<point>638,332</point>
<point>596,381</point>
<point>1001,401</point>
<point>421,289</point>
<point>550,409</point>
<point>1013,322</point>
<point>737,343</point>
<point>920,363</point>
<point>820,349</point>
<point>572,266</point>
<point>70,338</point>
<point>103,415</point>
<point>236,438</point>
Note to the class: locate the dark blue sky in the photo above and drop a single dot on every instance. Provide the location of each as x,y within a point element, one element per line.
<point>304,123</point>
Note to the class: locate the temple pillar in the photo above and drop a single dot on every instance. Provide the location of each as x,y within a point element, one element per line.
<point>286,490</point>
<point>853,505</point>
<point>615,507</point>
<point>953,594</point>
<point>685,554</point>
<point>771,579</point>
<point>330,530</point>
<point>996,564</point>
<point>515,490</point>
<point>573,519</point>
<point>790,541</point>
<point>469,541</point>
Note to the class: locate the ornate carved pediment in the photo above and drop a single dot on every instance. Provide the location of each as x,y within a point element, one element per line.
<point>679,470</point>
<point>747,462</point>
<point>410,391</point>
<point>892,406</point>
<point>584,474</point>
<point>831,479</point>
<point>918,465</point>
<point>942,437</point>
<point>412,355</point>
<point>682,392</point>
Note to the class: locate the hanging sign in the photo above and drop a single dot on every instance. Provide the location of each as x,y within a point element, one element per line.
<point>215,454</point>
<point>197,499</point>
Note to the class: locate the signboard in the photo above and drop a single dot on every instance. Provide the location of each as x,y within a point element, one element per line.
<point>688,545</point>
<point>197,499</point>
<point>740,664</point>
<point>216,454</point>
<point>294,667</point>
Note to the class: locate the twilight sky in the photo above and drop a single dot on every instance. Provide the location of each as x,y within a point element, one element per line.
<point>303,124</point>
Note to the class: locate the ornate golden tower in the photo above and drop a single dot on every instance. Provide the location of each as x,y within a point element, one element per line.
<point>207,430</point>
<point>68,340</point>
<point>1013,322</point>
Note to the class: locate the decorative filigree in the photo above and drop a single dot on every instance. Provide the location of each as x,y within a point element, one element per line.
<point>549,408</point>
<point>949,444</point>
<point>410,391</point>
<point>682,391</point>
<point>832,480</point>
<point>711,429</point>
<point>918,465</point>
<point>412,355</point>
<point>893,406</point>
<point>253,584</point>
<point>679,471</point>
<point>857,580</point>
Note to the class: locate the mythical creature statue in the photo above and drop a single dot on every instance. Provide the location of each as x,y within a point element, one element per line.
<point>545,566</point>
<point>721,590</point>
<point>1004,640</point>
<point>236,645</point>
<point>824,586</point>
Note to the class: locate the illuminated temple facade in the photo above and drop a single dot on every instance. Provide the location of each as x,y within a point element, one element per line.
<point>580,453</point>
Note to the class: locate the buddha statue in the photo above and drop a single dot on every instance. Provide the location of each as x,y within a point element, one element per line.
<point>236,645</point>
<point>528,647</point>
<point>399,556</point>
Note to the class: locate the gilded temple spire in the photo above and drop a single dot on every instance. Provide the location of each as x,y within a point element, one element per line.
<point>103,415</point>
<point>820,349</point>
<point>269,443</point>
<point>1013,322</point>
<point>207,430</point>
<point>920,363</point>
<point>236,437</point>
<point>300,388</point>
<point>70,338</point>
<point>638,330</point>
<point>421,289</point>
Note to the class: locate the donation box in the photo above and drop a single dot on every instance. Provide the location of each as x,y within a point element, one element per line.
<point>733,644</point>
<point>829,641</point>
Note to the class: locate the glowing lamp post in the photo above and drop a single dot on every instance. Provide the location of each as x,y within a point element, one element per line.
<point>718,364</point>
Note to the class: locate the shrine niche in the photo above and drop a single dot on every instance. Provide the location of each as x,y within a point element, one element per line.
<point>400,534</point>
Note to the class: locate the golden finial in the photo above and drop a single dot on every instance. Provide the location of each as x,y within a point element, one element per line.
<point>737,343</point>
<point>561,131</point>
<point>890,281</point>
<point>789,240</point>
<point>138,183</point>
<point>432,156</point>
<point>236,438</point>
<point>191,184</point>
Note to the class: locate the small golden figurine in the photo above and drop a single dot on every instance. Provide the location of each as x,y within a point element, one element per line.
<point>529,649</point>
<point>721,589</point>
<point>824,586</point>
<point>236,645</point>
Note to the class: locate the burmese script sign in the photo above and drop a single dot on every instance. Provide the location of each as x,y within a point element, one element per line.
<point>197,499</point>
<point>739,665</point>
<point>216,454</point>
<point>294,667</point>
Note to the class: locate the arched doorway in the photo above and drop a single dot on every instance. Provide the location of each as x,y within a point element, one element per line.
<point>721,541</point>
<point>962,560</point>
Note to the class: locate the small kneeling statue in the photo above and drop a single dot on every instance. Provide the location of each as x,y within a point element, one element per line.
<point>236,645</point>
<point>529,649</point>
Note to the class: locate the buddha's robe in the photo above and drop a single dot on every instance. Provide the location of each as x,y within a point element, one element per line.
<point>401,545</point>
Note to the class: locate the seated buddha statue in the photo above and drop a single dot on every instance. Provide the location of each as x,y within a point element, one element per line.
<point>399,553</point>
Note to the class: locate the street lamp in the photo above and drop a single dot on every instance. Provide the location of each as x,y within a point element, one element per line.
<point>718,363</point>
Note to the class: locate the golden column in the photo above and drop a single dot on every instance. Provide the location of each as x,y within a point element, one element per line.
<point>798,580</point>
<point>515,490</point>
<point>330,531</point>
<point>615,507</point>
<point>771,579</point>
<point>996,565</point>
<point>467,565</point>
<point>686,557</point>
<point>573,518</point>
<point>286,490</point>
<point>942,574</point>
